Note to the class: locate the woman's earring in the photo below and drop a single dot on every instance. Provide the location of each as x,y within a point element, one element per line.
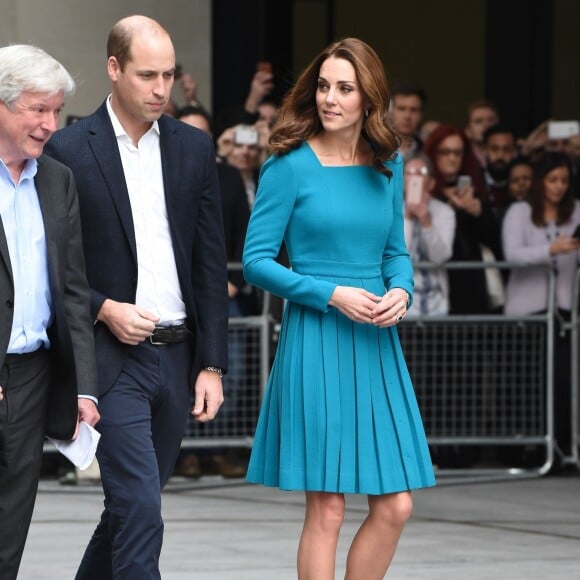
<point>366,113</point>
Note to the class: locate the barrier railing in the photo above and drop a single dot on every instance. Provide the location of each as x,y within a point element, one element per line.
<point>485,382</point>
<point>574,328</point>
<point>249,342</point>
<point>481,381</point>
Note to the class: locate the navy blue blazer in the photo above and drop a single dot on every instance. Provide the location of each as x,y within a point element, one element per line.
<point>89,148</point>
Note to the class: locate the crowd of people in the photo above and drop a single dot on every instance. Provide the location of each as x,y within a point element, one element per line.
<point>469,194</point>
<point>473,193</point>
<point>131,217</point>
<point>478,171</point>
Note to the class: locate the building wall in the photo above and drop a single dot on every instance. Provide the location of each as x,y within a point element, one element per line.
<point>439,44</point>
<point>75,32</point>
<point>442,45</point>
<point>566,72</point>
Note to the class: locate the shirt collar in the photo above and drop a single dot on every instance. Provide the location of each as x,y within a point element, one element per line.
<point>118,128</point>
<point>29,171</point>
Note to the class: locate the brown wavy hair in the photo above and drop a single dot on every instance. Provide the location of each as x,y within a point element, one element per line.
<point>547,164</point>
<point>298,119</point>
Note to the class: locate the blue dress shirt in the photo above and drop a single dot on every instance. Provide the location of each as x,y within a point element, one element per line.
<point>24,228</point>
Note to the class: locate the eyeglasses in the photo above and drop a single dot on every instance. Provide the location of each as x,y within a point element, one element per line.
<point>417,171</point>
<point>448,152</point>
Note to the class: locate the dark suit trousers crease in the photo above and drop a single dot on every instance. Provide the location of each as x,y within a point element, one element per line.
<point>143,419</point>
<point>25,380</point>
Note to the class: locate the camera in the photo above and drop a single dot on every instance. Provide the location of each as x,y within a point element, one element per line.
<point>246,136</point>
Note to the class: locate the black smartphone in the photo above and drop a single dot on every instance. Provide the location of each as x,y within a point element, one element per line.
<point>576,233</point>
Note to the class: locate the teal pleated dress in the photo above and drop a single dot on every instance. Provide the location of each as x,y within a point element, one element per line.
<point>339,412</point>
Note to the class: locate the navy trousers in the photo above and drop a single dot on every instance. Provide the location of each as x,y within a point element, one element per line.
<point>143,418</point>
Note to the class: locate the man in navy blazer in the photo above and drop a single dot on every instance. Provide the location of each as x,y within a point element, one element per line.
<point>156,265</point>
<point>47,354</point>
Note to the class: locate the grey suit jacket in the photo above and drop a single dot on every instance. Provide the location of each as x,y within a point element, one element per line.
<point>72,358</point>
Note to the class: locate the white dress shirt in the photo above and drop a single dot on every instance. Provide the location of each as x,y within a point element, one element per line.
<point>158,288</point>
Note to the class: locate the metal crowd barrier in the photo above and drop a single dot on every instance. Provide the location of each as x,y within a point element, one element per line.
<point>574,327</point>
<point>249,342</point>
<point>481,381</point>
<point>485,383</point>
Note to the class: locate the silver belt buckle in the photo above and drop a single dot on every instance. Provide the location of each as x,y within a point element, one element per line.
<point>155,342</point>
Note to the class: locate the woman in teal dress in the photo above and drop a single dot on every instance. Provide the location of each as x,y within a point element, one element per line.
<point>339,413</point>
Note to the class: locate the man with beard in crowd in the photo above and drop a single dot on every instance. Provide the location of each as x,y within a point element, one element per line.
<point>499,145</point>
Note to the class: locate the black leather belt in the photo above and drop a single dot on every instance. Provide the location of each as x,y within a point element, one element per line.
<point>170,334</point>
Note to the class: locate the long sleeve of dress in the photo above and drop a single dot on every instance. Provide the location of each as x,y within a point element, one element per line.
<point>397,268</point>
<point>275,200</point>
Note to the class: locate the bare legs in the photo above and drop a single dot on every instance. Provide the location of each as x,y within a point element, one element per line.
<point>317,549</point>
<point>373,547</point>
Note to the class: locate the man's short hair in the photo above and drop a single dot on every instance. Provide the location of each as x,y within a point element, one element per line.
<point>121,36</point>
<point>482,104</point>
<point>497,129</point>
<point>24,67</point>
<point>409,88</point>
<point>193,110</point>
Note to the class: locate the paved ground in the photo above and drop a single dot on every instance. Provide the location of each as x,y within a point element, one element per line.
<point>524,529</point>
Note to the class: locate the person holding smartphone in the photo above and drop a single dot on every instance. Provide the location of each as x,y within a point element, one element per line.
<point>260,91</point>
<point>241,147</point>
<point>545,229</point>
<point>429,233</point>
<point>458,182</point>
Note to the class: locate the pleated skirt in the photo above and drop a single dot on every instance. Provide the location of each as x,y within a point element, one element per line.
<point>339,412</point>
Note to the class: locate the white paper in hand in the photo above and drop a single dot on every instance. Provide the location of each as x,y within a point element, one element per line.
<point>81,451</point>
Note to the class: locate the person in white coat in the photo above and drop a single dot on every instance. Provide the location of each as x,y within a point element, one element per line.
<point>429,233</point>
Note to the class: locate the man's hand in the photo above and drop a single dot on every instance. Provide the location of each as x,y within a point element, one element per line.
<point>1,394</point>
<point>128,322</point>
<point>87,413</point>
<point>209,396</point>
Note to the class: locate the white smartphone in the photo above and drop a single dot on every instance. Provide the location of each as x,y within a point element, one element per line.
<point>563,129</point>
<point>414,188</point>
<point>246,136</point>
<point>464,181</point>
